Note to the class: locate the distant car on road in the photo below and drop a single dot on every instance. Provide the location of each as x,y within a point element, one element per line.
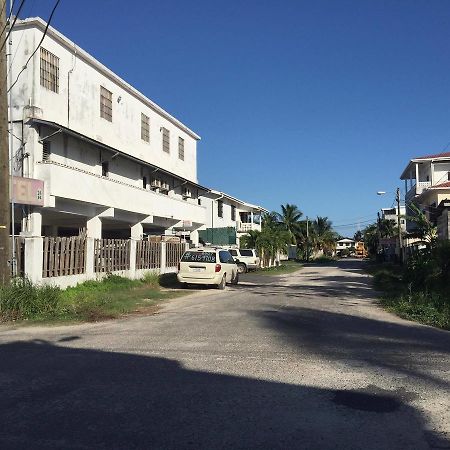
<point>246,258</point>
<point>208,266</point>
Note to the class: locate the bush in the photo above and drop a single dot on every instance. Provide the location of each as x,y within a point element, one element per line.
<point>22,299</point>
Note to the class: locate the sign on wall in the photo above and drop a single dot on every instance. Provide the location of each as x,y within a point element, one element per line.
<point>28,191</point>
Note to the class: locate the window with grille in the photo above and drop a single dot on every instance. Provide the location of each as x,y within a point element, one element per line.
<point>220,208</point>
<point>181,148</point>
<point>233,212</point>
<point>49,70</point>
<point>165,140</point>
<point>105,169</point>
<point>46,151</point>
<point>105,104</point>
<point>145,128</point>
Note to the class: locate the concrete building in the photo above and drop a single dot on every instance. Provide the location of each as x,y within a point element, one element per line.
<point>344,244</point>
<point>391,214</point>
<point>427,184</point>
<point>113,163</point>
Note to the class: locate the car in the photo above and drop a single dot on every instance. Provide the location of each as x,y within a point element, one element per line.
<point>208,266</point>
<point>246,258</point>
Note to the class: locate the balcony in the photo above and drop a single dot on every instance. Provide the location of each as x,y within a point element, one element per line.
<point>417,189</point>
<point>245,227</point>
<point>71,183</point>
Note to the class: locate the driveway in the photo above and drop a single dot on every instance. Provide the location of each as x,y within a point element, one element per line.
<point>305,361</point>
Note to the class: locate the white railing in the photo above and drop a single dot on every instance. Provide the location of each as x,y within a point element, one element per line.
<point>417,189</point>
<point>244,227</point>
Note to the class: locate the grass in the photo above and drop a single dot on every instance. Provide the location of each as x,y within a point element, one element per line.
<point>90,301</point>
<point>284,268</point>
<point>429,308</point>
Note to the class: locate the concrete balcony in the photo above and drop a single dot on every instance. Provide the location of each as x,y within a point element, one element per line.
<point>71,183</point>
<point>243,227</point>
<point>417,189</point>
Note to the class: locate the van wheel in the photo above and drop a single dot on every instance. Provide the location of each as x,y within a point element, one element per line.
<point>223,283</point>
<point>235,279</point>
<point>242,268</point>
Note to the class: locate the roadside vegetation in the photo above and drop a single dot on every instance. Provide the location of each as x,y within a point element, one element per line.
<point>418,290</point>
<point>284,267</point>
<point>91,301</point>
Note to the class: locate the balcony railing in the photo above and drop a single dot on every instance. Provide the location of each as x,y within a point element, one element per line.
<point>417,189</point>
<point>245,227</point>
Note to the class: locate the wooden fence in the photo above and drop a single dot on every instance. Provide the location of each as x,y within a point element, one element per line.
<point>64,256</point>
<point>111,255</point>
<point>148,255</point>
<point>174,252</point>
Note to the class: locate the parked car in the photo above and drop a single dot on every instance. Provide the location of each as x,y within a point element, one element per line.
<point>208,265</point>
<point>246,258</point>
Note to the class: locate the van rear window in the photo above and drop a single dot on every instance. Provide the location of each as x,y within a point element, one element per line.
<point>204,257</point>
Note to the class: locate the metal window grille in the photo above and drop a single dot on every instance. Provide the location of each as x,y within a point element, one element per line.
<point>105,169</point>
<point>145,128</point>
<point>46,151</point>
<point>181,148</point>
<point>49,70</point>
<point>165,140</point>
<point>105,104</point>
<point>220,208</point>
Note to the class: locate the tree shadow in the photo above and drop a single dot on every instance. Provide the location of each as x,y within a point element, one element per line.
<point>55,397</point>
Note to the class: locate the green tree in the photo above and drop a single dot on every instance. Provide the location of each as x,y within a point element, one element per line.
<point>425,229</point>
<point>289,218</point>
<point>250,239</point>
<point>323,237</point>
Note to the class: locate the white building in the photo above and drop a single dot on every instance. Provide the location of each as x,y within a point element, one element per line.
<point>391,214</point>
<point>113,162</point>
<point>344,244</point>
<point>228,218</point>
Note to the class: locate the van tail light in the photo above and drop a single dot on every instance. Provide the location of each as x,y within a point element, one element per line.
<point>218,268</point>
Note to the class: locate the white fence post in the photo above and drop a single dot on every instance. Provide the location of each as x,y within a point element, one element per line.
<point>34,250</point>
<point>133,245</point>
<point>163,257</point>
<point>90,242</point>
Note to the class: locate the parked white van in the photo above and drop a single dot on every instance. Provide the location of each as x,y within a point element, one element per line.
<point>246,258</point>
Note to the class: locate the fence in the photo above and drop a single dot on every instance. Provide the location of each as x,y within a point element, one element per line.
<point>148,255</point>
<point>63,256</point>
<point>111,255</point>
<point>174,252</point>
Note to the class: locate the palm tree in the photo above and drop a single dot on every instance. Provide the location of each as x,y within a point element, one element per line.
<point>323,237</point>
<point>250,239</point>
<point>290,220</point>
<point>425,229</point>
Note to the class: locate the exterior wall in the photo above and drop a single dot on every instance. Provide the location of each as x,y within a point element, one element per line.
<point>80,78</point>
<point>443,225</point>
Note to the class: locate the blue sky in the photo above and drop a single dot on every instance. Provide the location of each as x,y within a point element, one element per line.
<point>319,103</point>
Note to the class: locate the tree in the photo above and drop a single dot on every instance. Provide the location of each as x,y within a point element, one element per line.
<point>358,236</point>
<point>425,229</point>
<point>370,237</point>
<point>250,239</point>
<point>323,237</point>
<point>290,220</point>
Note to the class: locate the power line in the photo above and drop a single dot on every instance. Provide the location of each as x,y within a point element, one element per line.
<point>37,47</point>
<point>12,25</point>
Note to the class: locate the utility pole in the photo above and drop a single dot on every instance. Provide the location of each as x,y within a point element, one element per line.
<point>5,222</point>
<point>307,239</point>
<point>400,241</point>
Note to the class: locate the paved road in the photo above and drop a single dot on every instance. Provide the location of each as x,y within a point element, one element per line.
<point>305,361</point>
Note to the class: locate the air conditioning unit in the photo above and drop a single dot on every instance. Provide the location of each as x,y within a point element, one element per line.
<point>187,193</point>
<point>165,186</point>
<point>156,183</point>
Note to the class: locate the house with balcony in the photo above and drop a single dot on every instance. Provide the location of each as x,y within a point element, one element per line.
<point>112,163</point>
<point>228,218</point>
<point>427,184</point>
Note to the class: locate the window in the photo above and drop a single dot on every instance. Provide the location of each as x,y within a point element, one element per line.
<point>49,70</point>
<point>246,252</point>
<point>233,212</point>
<point>46,151</point>
<point>220,208</point>
<point>144,182</point>
<point>145,128</point>
<point>233,252</point>
<point>199,201</point>
<point>225,257</point>
<point>105,104</point>
<point>165,140</point>
<point>181,148</point>
<point>105,168</point>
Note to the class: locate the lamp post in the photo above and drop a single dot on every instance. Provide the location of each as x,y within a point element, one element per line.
<point>400,240</point>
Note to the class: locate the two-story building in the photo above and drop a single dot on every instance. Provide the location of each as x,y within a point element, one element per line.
<point>427,184</point>
<point>392,214</point>
<point>113,163</point>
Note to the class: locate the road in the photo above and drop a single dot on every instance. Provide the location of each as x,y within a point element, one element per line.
<point>302,361</point>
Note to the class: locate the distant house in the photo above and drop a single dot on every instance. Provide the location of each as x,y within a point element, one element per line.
<point>344,244</point>
<point>427,184</point>
<point>391,214</point>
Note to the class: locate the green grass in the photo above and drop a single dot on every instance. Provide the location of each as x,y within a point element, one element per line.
<point>284,268</point>
<point>323,260</point>
<point>91,301</point>
<point>430,308</point>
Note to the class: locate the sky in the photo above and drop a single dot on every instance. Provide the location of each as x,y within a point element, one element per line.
<point>317,103</point>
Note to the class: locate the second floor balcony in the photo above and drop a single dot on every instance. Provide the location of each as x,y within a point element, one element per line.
<point>417,189</point>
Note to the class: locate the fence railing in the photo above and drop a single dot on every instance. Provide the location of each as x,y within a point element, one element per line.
<point>63,256</point>
<point>148,255</point>
<point>111,255</point>
<point>174,252</point>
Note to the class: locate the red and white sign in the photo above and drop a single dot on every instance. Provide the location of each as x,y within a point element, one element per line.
<point>28,191</point>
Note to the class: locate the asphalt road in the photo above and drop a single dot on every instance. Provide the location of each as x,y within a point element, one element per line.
<point>302,361</point>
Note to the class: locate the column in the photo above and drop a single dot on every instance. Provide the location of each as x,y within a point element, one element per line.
<point>136,232</point>
<point>93,232</point>
<point>34,246</point>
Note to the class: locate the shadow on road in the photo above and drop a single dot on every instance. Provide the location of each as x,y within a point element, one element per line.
<point>56,397</point>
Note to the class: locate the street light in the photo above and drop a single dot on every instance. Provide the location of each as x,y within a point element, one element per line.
<point>400,241</point>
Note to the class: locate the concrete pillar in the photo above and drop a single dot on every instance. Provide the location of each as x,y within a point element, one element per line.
<point>136,235</point>
<point>432,172</point>
<point>94,227</point>
<point>417,176</point>
<point>34,249</point>
<point>90,242</point>
<point>163,257</point>
<point>137,231</point>
<point>35,223</point>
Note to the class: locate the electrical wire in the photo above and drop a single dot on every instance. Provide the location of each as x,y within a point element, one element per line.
<point>12,25</point>
<point>38,46</point>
